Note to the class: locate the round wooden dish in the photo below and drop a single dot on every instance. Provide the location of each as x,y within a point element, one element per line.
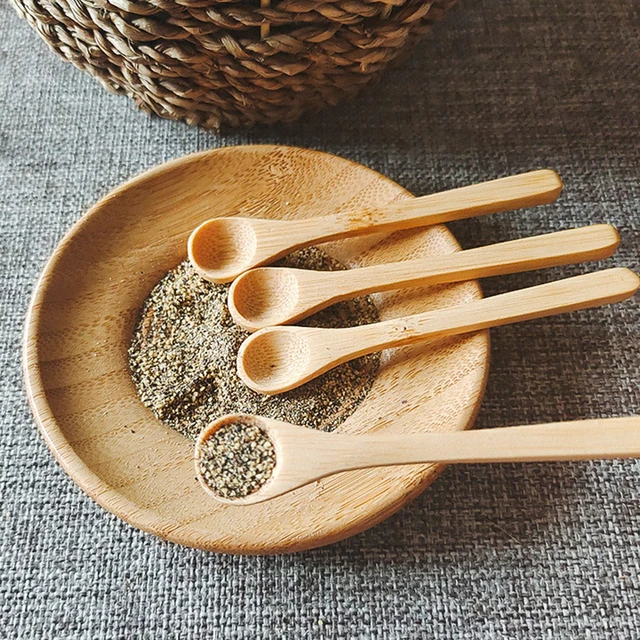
<point>86,303</point>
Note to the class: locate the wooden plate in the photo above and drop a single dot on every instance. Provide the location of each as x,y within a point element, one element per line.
<point>86,303</point>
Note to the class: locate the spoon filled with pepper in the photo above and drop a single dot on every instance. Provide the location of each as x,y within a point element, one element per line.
<point>245,459</point>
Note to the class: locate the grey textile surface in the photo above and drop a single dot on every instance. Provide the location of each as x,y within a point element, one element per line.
<point>504,551</point>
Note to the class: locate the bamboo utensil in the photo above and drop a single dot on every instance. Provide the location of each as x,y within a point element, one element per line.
<point>221,249</point>
<point>304,455</point>
<point>276,359</point>
<point>270,296</point>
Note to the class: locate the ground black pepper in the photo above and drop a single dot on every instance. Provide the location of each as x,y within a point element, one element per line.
<point>183,356</point>
<point>236,460</point>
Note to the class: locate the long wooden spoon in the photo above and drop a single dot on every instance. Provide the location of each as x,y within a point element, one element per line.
<point>304,455</point>
<point>276,359</point>
<point>277,295</point>
<point>221,249</point>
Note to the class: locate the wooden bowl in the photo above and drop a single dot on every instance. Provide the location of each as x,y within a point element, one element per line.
<point>86,303</point>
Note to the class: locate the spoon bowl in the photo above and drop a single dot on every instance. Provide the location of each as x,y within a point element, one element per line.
<point>222,245</point>
<point>265,296</point>
<point>275,359</point>
<point>291,444</point>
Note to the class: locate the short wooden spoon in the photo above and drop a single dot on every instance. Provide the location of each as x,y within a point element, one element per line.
<point>276,359</point>
<point>304,455</point>
<point>221,249</point>
<point>277,295</point>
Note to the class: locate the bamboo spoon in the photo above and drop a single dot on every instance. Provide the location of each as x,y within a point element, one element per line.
<point>221,249</point>
<point>276,359</point>
<point>304,455</point>
<point>277,295</point>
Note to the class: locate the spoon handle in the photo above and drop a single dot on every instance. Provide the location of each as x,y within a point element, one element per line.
<point>578,440</point>
<point>505,194</point>
<point>553,249</point>
<point>570,294</point>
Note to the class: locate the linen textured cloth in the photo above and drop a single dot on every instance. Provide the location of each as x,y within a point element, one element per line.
<point>503,551</point>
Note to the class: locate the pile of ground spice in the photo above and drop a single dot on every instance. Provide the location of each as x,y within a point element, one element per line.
<point>236,460</point>
<point>184,347</point>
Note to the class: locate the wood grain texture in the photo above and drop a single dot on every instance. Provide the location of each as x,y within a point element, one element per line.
<point>86,303</point>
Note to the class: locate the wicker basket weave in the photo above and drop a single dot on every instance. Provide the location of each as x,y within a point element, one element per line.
<point>232,62</point>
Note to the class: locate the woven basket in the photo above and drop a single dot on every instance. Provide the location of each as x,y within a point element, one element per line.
<point>235,63</point>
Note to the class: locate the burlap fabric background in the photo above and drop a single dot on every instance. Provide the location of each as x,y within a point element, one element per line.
<point>507,551</point>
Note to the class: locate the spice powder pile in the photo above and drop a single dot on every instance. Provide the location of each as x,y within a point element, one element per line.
<point>236,460</point>
<point>183,356</point>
